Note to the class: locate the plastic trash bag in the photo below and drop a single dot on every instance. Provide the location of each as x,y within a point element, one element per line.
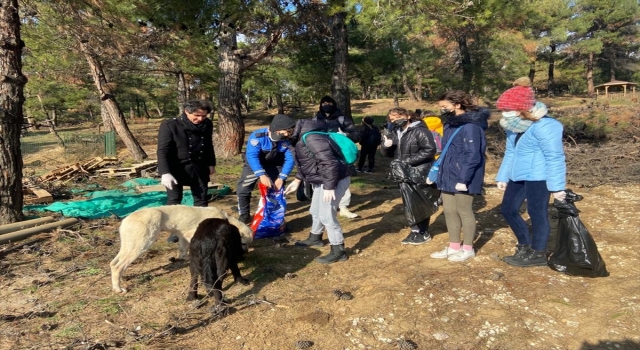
<point>420,201</point>
<point>268,220</point>
<point>576,253</point>
<point>304,192</point>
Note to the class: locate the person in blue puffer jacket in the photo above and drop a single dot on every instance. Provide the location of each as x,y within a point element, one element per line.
<point>461,171</point>
<point>533,166</point>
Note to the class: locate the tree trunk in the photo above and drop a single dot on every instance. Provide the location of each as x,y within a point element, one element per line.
<point>110,105</point>
<point>229,136</point>
<point>532,72</point>
<point>590,88</point>
<point>182,91</point>
<point>407,88</point>
<point>106,120</point>
<point>418,84</point>
<point>340,78</point>
<point>280,104</point>
<point>52,130</point>
<point>146,110</point>
<point>612,66</point>
<point>396,102</point>
<point>551,82</point>
<point>12,83</point>
<point>467,69</point>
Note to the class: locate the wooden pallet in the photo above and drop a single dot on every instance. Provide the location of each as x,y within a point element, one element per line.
<point>71,171</point>
<point>132,171</point>
<point>161,188</point>
<point>41,195</point>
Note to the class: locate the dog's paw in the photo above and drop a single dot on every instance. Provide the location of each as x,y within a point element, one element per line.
<point>119,290</point>
<point>242,281</point>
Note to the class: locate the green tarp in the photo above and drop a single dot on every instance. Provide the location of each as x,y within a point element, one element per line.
<point>104,204</point>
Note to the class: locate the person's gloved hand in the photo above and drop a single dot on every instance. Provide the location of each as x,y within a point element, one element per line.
<point>329,195</point>
<point>501,185</point>
<point>387,142</point>
<point>278,184</point>
<point>429,182</point>
<point>266,181</point>
<point>293,187</point>
<point>461,187</point>
<point>167,180</point>
<point>341,132</point>
<point>560,195</point>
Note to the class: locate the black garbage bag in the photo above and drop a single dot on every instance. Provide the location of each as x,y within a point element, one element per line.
<point>304,192</point>
<point>576,253</point>
<point>420,201</point>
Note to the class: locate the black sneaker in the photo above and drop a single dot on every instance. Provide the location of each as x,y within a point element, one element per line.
<point>410,237</point>
<point>368,171</point>
<point>534,258</point>
<point>245,218</point>
<point>173,239</point>
<point>420,238</point>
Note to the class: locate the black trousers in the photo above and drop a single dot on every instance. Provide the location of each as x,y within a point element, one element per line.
<point>422,226</point>
<point>247,183</point>
<point>196,177</point>
<point>367,152</point>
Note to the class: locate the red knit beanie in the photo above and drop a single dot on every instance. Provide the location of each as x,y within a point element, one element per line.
<point>518,98</point>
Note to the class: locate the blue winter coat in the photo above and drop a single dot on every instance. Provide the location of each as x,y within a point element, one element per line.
<point>538,156</point>
<point>464,162</point>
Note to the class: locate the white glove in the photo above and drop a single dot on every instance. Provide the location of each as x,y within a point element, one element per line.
<point>329,195</point>
<point>341,132</point>
<point>501,185</point>
<point>461,187</point>
<point>292,187</point>
<point>167,180</point>
<point>429,182</point>
<point>387,142</point>
<point>560,195</point>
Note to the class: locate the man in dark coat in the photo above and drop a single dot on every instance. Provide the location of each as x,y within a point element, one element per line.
<point>370,139</point>
<point>333,120</point>
<point>413,146</point>
<point>320,163</point>
<point>185,153</point>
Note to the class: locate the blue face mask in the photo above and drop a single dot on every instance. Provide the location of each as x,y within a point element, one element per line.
<point>510,114</point>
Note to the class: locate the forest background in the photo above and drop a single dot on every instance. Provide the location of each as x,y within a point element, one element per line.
<point>104,61</point>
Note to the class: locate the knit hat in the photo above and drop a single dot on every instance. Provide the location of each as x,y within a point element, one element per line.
<point>282,122</point>
<point>518,98</point>
<point>368,120</point>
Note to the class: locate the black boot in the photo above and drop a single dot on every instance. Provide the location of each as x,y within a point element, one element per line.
<point>521,251</point>
<point>313,241</point>
<point>245,219</point>
<point>337,254</point>
<point>534,258</point>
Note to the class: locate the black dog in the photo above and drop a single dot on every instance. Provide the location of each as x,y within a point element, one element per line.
<point>215,248</point>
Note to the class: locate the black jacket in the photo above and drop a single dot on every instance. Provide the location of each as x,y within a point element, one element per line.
<point>318,159</point>
<point>369,136</point>
<point>415,147</point>
<point>332,124</point>
<point>176,140</point>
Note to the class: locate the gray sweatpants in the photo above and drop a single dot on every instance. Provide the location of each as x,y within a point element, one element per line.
<point>324,214</point>
<point>346,199</point>
<point>458,214</point>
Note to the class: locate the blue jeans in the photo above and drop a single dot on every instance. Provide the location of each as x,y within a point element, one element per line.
<point>537,196</point>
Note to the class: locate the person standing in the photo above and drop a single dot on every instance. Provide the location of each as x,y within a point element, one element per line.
<point>532,168</point>
<point>413,147</point>
<point>461,170</point>
<point>370,139</point>
<point>334,120</point>
<point>268,159</point>
<point>320,163</point>
<point>185,154</point>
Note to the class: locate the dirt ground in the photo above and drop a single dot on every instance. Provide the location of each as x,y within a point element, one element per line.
<point>55,288</point>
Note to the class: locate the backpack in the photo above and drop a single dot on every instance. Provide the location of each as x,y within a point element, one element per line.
<point>348,149</point>
<point>434,124</point>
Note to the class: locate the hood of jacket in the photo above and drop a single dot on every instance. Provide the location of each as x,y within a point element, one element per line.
<point>479,118</point>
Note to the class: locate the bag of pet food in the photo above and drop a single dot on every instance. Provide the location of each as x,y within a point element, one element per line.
<point>268,220</point>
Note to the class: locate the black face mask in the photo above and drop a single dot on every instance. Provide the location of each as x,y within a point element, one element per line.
<point>328,109</point>
<point>445,113</point>
<point>277,137</point>
<point>400,123</point>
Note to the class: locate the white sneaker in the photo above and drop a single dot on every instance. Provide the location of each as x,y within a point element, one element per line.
<point>445,253</point>
<point>462,255</point>
<point>344,212</point>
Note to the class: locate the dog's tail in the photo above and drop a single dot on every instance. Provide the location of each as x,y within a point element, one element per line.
<point>245,231</point>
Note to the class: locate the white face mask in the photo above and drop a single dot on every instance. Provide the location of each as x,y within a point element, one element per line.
<point>510,114</point>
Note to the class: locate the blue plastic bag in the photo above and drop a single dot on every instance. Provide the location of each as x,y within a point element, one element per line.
<point>268,220</point>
